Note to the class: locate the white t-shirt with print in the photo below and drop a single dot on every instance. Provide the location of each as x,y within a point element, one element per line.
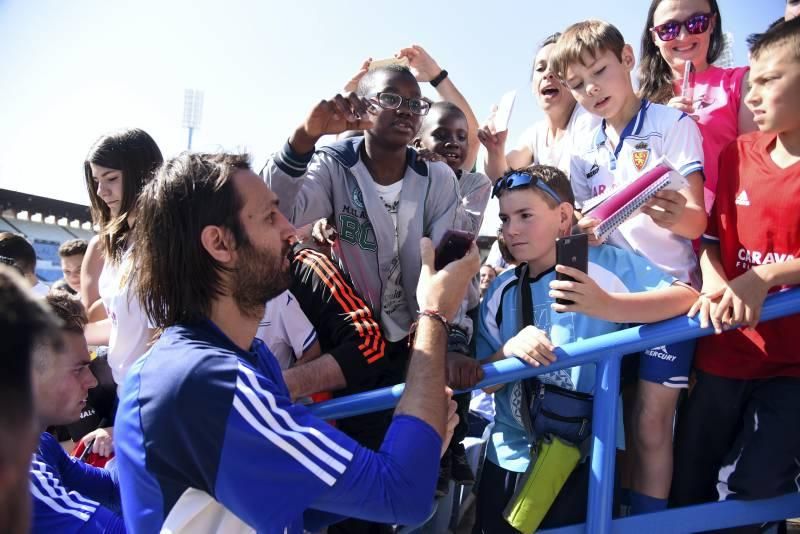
<point>598,166</point>
<point>286,330</point>
<point>394,311</point>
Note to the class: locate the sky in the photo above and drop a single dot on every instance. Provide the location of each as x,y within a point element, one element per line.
<point>72,70</point>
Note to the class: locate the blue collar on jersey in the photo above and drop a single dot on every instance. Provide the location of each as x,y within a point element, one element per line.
<point>633,127</point>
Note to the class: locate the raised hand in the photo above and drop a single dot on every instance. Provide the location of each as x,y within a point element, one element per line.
<point>444,290</point>
<point>352,85</point>
<point>422,65</point>
<point>330,117</point>
<point>586,296</point>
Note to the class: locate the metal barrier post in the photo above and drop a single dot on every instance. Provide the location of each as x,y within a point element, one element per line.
<point>604,446</point>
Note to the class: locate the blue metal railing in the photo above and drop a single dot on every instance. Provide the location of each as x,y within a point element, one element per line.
<point>606,351</point>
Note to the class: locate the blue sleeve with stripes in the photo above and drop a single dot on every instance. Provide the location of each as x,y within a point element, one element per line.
<point>69,496</point>
<point>278,460</point>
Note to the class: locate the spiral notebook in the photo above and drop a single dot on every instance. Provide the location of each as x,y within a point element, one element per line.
<point>620,204</point>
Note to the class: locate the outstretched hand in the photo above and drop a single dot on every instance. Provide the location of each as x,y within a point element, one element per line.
<point>339,114</point>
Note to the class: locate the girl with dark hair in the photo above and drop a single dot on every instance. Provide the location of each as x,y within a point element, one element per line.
<point>549,141</point>
<point>682,31</point>
<point>116,169</point>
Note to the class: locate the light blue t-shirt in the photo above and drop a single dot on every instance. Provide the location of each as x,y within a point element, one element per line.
<point>615,271</point>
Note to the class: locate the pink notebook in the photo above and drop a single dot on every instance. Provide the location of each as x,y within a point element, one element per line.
<point>622,203</point>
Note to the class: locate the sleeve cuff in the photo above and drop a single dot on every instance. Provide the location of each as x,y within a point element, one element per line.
<point>458,341</point>
<point>689,168</point>
<point>291,162</point>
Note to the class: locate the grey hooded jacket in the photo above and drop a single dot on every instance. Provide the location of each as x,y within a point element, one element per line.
<point>332,182</point>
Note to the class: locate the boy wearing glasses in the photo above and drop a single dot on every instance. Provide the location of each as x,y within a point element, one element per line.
<point>378,194</point>
<point>595,63</point>
<point>743,407</point>
<point>536,207</point>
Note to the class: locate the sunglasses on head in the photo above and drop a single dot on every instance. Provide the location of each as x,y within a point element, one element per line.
<point>522,179</point>
<point>386,100</point>
<point>696,24</point>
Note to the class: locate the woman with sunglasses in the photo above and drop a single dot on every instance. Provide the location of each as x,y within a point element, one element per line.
<point>679,32</point>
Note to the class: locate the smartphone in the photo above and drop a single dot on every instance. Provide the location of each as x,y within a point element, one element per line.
<point>86,451</point>
<point>454,245</point>
<point>572,251</point>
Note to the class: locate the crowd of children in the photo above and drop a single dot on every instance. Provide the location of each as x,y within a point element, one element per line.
<point>351,216</point>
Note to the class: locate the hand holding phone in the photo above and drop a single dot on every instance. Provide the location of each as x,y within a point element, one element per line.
<point>454,245</point>
<point>572,251</point>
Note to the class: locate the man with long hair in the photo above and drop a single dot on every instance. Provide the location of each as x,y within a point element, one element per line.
<point>208,438</point>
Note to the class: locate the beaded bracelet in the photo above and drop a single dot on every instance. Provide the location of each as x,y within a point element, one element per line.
<point>433,314</point>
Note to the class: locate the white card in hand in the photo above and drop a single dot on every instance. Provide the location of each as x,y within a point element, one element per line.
<point>503,113</point>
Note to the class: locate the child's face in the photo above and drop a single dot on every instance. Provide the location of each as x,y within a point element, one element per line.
<point>396,127</point>
<point>686,46</point>
<point>774,96</point>
<point>71,267</point>
<point>530,227</point>
<point>550,94</point>
<point>602,84</point>
<point>108,183</point>
<point>448,137</point>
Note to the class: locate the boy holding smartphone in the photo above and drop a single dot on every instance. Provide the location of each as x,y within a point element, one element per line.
<point>536,207</point>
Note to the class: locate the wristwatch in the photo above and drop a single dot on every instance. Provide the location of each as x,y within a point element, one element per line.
<point>439,77</point>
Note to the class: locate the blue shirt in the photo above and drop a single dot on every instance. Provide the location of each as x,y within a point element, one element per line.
<point>208,439</point>
<point>615,271</point>
<point>70,496</point>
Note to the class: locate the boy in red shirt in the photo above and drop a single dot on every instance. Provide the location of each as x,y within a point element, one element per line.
<point>738,436</point>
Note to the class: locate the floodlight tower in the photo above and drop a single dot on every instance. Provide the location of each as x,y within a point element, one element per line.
<point>192,111</point>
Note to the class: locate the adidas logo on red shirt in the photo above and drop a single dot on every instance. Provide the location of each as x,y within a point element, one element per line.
<point>741,199</point>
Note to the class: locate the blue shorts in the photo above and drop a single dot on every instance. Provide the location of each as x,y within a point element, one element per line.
<point>668,365</point>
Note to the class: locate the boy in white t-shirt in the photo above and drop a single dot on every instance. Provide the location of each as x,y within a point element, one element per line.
<point>287,331</point>
<point>594,62</point>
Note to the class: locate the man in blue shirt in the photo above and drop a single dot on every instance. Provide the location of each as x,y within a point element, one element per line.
<point>207,436</point>
<point>24,322</point>
<point>68,495</point>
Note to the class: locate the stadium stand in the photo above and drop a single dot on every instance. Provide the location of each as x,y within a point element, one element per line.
<point>16,211</point>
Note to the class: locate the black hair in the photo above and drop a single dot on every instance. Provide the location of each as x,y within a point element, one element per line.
<point>137,156</point>
<point>441,109</point>
<point>17,248</point>
<point>24,322</point>
<point>366,85</point>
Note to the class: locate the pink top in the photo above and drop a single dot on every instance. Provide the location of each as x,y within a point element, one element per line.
<point>717,94</point>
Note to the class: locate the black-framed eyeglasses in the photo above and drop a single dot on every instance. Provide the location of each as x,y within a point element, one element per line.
<point>386,100</point>
<point>696,24</point>
<point>521,179</point>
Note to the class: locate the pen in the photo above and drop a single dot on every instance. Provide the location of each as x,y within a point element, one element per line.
<point>687,75</point>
